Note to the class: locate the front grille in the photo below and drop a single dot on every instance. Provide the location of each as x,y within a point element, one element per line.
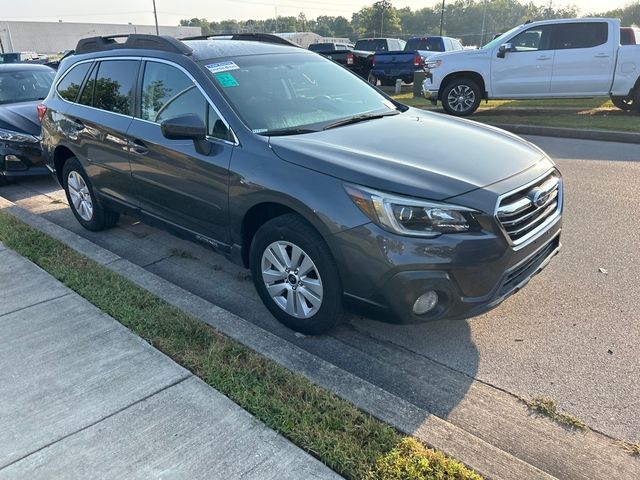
<point>523,213</point>
<point>516,276</point>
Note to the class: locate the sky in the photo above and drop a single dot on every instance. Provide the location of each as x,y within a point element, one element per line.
<point>171,11</point>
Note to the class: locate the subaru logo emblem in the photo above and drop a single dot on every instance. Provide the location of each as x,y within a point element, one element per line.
<point>538,196</point>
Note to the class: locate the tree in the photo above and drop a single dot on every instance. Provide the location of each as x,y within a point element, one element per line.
<point>380,19</point>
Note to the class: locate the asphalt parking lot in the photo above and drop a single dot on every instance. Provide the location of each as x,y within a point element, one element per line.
<point>571,334</point>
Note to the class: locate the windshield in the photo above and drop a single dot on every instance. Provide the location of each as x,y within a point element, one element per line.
<point>24,85</point>
<point>293,91</point>
<point>501,39</point>
<point>372,45</point>
<point>433,44</point>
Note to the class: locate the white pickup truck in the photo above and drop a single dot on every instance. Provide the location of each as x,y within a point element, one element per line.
<point>570,58</point>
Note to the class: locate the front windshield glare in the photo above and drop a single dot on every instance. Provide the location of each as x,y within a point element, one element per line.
<point>501,39</point>
<point>293,91</point>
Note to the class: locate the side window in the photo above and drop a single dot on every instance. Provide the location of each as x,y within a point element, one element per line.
<point>113,90</point>
<point>167,93</point>
<point>581,35</point>
<point>86,97</point>
<point>69,86</point>
<point>533,39</point>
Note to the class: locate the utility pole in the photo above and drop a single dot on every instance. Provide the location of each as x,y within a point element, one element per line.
<point>484,16</point>
<point>441,17</point>
<point>276,7</point>
<point>155,15</point>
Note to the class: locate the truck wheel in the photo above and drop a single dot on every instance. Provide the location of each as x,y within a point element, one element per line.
<point>372,79</point>
<point>386,82</point>
<point>295,275</point>
<point>82,199</point>
<point>623,103</point>
<point>461,97</point>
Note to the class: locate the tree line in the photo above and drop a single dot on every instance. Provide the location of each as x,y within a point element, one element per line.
<point>474,22</point>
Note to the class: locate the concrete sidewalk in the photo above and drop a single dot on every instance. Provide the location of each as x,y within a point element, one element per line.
<point>82,397</point>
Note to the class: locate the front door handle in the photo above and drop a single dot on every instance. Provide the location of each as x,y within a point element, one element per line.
<point>602,55</point>
<point>138,146</point>
<point>544,57</point>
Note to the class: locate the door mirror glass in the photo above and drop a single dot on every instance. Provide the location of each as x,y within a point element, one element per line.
<point>184,127</point>
<point>503,49</point>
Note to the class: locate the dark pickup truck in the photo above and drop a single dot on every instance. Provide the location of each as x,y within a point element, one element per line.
<point>359,59</point>
<point>389,66</point>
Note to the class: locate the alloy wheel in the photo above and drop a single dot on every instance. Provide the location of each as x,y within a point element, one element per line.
<point>461,98</point>
<point>80,195</point>
<point>292,279</point>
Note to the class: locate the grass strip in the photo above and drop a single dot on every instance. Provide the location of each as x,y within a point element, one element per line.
<point>547,407</point>
<point>351,442</point>
<point>586,114</point>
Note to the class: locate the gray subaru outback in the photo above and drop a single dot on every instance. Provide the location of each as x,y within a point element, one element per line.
<point>332,193</point>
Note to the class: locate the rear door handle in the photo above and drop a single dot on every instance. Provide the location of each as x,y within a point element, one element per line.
<point>138,146</point>
<point>544,57</point>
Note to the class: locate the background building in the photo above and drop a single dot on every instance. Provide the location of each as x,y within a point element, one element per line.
<point>53,37</point>
<point>304,39</point>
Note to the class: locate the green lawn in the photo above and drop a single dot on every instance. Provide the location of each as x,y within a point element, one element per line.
<point>351,442</point>
<point>589,113</point>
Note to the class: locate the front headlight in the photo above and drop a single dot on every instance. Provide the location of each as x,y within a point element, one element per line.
<point>431,64</point>
<point>409,216</point>
<point>16,137</point>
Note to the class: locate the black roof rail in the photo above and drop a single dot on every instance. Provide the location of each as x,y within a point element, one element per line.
<point>134,40</point>
<point>250,37</point>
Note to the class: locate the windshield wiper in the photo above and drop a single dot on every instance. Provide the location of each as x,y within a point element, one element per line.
<point>361,118</point>
<point>280,132</point>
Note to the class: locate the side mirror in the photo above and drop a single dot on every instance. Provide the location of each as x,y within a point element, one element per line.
<point>503,49</point>
<point>187,127</point>
<point>184,127</point>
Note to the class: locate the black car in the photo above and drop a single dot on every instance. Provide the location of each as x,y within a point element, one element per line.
<point>22,87</point>
<point>332,193</point>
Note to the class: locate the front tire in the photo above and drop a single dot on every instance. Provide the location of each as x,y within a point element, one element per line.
<point>82,199</point>
<point>296,276</point>
<point>461,97</point>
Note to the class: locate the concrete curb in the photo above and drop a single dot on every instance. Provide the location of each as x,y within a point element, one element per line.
<point>489,461</point>
<point>598,135</point>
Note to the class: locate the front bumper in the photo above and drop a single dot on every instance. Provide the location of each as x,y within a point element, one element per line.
<point>472,273</point>
<point>18,160</point>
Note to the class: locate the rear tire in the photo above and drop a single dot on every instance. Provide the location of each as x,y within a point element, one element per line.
<point>296,276</point>
<point>387,83</point>
<point>461,97</point>
<point>82,198</point>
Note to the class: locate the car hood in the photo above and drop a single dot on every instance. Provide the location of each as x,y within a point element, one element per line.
<point>416,153</point>
<point>20,117</point>
<point>459,54</point>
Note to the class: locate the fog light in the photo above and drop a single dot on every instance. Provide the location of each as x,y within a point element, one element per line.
<point>11,162</point>
<point>425,302</point>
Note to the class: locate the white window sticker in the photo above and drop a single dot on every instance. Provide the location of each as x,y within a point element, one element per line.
<point>222,67</point>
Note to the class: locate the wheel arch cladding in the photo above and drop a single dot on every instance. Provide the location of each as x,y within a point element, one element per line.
<point>475,76</point>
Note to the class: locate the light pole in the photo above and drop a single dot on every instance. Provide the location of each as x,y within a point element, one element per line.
<point>155,15</point>
<point>441,17</point>
<point>484,16</point>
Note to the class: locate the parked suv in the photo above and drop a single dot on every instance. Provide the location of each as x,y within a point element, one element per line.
<point>328,190</point>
